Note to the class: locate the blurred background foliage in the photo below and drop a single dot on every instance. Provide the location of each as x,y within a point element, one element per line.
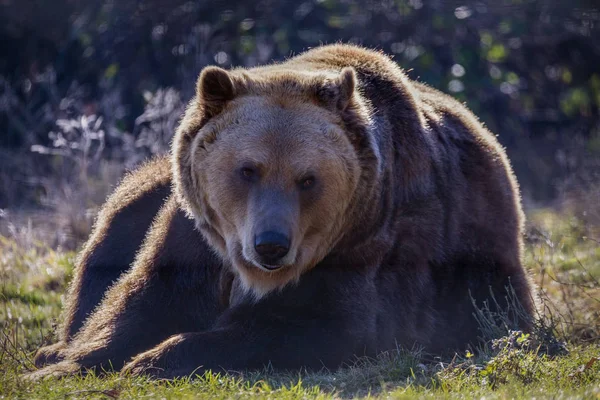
<point>107,80</point>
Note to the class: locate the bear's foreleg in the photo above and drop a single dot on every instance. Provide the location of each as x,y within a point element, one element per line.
<point>172,287</point>
<point>314,326</point>
<point>117,235</point>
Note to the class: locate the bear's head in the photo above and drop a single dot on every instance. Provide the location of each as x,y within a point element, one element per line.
<point>266,162</point>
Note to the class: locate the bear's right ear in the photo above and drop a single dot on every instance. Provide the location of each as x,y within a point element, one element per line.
<point>214,89</point>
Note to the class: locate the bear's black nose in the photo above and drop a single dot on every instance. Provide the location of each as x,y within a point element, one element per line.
<point>271,246</point>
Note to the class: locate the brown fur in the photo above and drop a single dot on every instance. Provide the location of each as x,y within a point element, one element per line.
<point>111,249</point>
<point>400,207</point>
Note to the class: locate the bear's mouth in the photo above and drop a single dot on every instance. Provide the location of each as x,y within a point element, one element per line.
<point>270,267</point>
<point>251,264</point>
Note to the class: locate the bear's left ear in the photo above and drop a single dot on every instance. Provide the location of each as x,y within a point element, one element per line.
<point>336,93</point>
<point>214,89</point>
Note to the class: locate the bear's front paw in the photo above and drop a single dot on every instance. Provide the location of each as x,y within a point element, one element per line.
<point>60,370</point>
<point>49,354</point>
<point>149,363</point>
<point>162,362</point>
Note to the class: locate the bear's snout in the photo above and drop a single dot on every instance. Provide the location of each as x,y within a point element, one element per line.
<point>271,246</point>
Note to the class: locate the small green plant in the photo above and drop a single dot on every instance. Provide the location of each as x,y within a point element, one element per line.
<point>517,358</point>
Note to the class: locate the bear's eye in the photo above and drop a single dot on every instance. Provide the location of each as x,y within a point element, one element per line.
<point>308,182</point>
<point>248,173</point>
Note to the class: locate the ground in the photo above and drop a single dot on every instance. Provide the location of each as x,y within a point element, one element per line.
<point>562,254</point>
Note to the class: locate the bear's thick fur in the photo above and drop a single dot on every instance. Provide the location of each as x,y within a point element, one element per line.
<point>392,209</point>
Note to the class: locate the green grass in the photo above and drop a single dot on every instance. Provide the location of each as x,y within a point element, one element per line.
<point>562,254</point>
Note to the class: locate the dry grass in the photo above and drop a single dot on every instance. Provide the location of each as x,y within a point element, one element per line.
<point>562,253</point>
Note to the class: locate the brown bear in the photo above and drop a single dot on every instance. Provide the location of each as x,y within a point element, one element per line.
<point>321,209</point>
